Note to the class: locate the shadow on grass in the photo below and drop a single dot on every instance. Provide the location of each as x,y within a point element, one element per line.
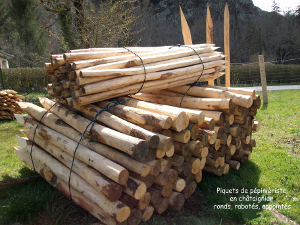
<point>235,195</point>
<point>23,172</point>
<point>22,202</point>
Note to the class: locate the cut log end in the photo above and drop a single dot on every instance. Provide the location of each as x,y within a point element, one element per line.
<point>123,177</point>
<point>123,214</point>
<point>141,149</point>
<point>148,212</point>
<point>182,121</point>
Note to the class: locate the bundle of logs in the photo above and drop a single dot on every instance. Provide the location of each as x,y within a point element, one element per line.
<point>8,104</point>
<point>97,74</point>
<point>125,159</point>
<point>139,157</point>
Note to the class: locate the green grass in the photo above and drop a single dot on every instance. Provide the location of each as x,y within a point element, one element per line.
<point>20,203</point>
<point>275,163</point>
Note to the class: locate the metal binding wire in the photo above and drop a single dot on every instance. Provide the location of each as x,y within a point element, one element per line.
<point>197,81</point>
<point>143,66</point>
<point>35,133</point>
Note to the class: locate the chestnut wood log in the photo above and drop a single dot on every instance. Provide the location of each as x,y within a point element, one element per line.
<point>155,195</point>
<point>108,187</point>
<point>229,118</point>
<point>177,160</point>
<point>203,153</point>
<point>132,146</point>
<point>162,206</point>
<point>170,153</point>
<point>112,170</point>
<point>203,136</point>
<point>161,179</point>
<point>188,102</point>
<point>189,190</point>
<point>116,209</point>
<point>181,148</point>
<point>224,139</point>
<point>235,130</point>
<point>176,200</point>
<point>214,170</point>
<point>147,180</point>
<point>180,119</point>
<point>207,92</point>
<point>256,126</point>
<point>208,124</point>
<point>179,185</point>
<point>139,116</point>
<point>165,190</point>
<point>219,131</point>
<point>182,137</point>
<point>195,146</point>
<point>57,124</point>
<point>234,164</point>
<point>119,124</point>
<point>196,163</point>
<point>149,85</point>
<point>230,149</point>
<point>160,154</point>
<point>198,176</point>
<point>63,187</point>
<point>225,168</point>
<point>202,163</point>
<point>242,91</point>
<point>194,129</point>
<point>229,139</point>
<point>148,212</point>
<point>172,175</point>
<point>134,188</point>
<point>213,160</point>
<point>212,136</point>
<point>219,117</point>
<point>136,216</point>
<point>155,167</point>
<point>165,164</point>
<point>128,200</point>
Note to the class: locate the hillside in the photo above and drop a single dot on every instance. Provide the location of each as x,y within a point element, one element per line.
<point>252,31</point>
<point>31,30</point>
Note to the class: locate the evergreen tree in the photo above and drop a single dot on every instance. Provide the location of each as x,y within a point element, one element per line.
<point>275,7</point>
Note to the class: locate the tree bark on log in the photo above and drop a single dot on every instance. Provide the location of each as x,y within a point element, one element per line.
<point>58,125</point>
<point>132,146</point>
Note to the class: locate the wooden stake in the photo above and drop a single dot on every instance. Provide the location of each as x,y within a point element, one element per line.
<point>58,125</point>
<point>227,46</point>
<point>186,33</point>
<point>131,145</point>
<point>263,78</point>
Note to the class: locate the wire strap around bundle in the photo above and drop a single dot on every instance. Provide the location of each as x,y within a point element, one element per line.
<point>92,123</point>
<point>143,66</point>
<point>35,133</point>
<point>197,81</point>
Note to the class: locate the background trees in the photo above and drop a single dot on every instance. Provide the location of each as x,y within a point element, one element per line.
<point>31,29</point>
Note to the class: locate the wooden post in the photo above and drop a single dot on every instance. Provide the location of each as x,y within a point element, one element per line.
<point>263,78</point>
<point>227,46</point>
<point>209,35</point>
<point>186,33</point>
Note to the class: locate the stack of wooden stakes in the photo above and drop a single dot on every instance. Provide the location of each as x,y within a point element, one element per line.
<point>144,154</point>
<point>123,177</point>
<point>228,125</point>
<point>8,104</point>
<point>132,178</point>
<point>92,75</point>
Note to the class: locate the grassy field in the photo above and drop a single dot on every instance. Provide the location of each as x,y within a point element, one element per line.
<point>274,168</point>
